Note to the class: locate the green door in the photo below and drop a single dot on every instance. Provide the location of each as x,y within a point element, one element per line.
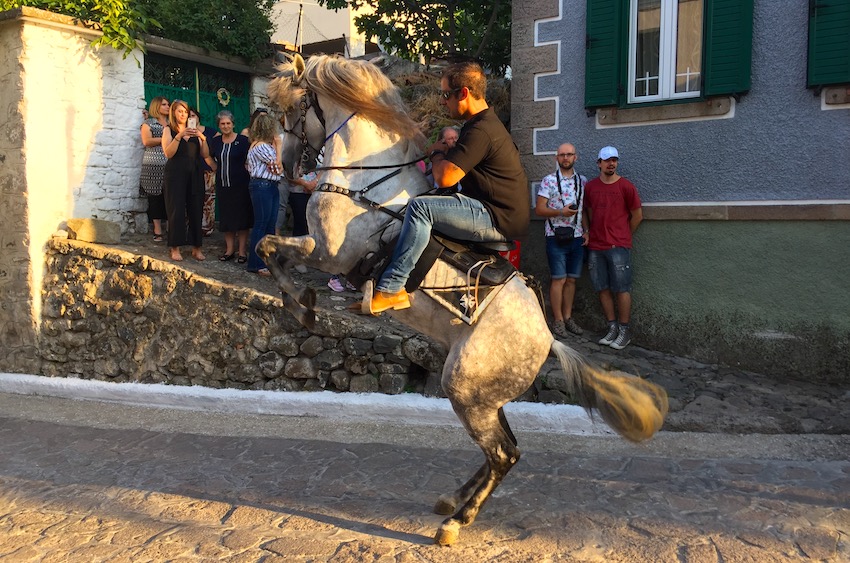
<point>208,88</point>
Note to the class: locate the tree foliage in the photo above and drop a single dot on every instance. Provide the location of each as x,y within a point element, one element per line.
<point>234,27</point>
<point>437,28</point>
<point>121,22</point>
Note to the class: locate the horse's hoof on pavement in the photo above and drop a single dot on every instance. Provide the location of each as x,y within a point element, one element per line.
<point>448,532</point>
<point>445,505</point>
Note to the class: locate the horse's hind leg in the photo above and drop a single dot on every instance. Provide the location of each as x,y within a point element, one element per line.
<point>490,430</point>
<point>448,503</point>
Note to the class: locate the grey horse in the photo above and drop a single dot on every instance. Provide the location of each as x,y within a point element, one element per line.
<point>352,110</point>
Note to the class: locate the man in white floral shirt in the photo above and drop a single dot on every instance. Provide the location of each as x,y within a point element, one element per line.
<point>559,200</point>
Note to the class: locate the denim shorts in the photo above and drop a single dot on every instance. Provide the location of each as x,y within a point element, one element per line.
<point>611,269</point>
<point>565,261</point>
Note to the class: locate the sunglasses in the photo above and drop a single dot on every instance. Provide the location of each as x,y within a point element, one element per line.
<point>446,94</point>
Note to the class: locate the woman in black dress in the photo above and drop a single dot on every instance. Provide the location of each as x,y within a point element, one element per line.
<point>185,147</point>
<point>235,212</point>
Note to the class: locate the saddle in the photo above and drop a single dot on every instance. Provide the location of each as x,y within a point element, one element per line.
<point>481,272</point>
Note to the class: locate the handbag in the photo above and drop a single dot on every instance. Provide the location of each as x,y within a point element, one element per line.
<point>565,235</point>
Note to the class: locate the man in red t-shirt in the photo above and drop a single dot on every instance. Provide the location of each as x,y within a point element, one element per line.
<point>613,207</point>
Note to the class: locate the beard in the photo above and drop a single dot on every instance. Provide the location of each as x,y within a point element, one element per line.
<point>567,166</point>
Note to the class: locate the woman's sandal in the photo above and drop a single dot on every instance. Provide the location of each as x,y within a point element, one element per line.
<point>157,237</point>
<point>264,273</point>
<point>242,259</point>
<point>227,257</point>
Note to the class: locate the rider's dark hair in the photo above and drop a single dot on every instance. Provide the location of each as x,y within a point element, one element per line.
<point>468,74</point>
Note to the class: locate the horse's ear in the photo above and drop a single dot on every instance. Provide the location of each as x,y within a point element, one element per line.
<point>298,65</point>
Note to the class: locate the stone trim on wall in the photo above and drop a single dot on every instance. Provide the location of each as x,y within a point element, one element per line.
<point>736,211</point>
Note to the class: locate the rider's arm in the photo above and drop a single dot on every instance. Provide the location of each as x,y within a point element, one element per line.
<point>446,173</point>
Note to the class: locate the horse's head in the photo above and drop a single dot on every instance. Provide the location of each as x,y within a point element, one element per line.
<point>302,89</point>
<point>303,122</point>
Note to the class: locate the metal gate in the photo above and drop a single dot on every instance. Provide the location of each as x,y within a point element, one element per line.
<point>208,88</point>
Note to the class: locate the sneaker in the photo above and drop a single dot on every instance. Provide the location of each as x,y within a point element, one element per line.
<point>559,330</point>
<point>571,326</point>
<point>350,286</point>
<point>622,340</point>
<point>610,336</point>
<point>335,284</point>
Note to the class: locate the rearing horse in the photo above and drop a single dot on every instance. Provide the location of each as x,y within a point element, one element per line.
<point>370,145</point>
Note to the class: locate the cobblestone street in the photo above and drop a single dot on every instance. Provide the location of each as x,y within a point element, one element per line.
<point>86,481</point>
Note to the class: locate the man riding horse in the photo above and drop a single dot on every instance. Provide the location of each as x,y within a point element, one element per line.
<point>494,205</point>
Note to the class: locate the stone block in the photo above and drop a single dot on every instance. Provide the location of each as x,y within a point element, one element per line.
<point>329,359</point>
<point>340,379</point>
<point>393,383</point>
<point>363,384</point>
<point>356,346</point>
<point>94,230</point>
<point>424,353</point>
<point>386,343</point>
<point>312,346</point>
<point>301,368</point>
<point>433,386</point>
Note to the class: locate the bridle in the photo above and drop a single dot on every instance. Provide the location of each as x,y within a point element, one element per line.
<point>308,101</point>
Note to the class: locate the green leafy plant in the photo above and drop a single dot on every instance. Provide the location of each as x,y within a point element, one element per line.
<point>122,23</point>
<point>234,27</point>
<point>436,28</point>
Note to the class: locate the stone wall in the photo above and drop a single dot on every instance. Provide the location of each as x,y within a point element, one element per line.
<point>115,316</point>
<point>112,315</point>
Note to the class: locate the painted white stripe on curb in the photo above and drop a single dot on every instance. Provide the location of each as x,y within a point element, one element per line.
<point>408,409</point>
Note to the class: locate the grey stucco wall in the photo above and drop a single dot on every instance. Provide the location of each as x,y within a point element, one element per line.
<point>780,145</point>
<point>768,296</point>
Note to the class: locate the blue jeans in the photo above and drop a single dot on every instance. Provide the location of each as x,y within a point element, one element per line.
<point>266,200</point>
<point>565,261</point>
<point>611,269</point>
<point>456,216</point>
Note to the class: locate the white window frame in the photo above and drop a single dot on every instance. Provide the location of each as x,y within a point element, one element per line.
<point>667,55</point>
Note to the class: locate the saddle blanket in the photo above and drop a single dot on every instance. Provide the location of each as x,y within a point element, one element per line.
<point>463,294</point>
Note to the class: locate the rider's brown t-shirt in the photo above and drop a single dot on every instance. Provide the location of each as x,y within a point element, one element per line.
<point>487,154</point>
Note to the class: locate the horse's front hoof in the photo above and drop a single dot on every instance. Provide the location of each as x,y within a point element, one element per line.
<point>448,532</point>
<point>445,505</point>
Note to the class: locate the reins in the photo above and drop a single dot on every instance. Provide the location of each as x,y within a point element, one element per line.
<point>309,100</point>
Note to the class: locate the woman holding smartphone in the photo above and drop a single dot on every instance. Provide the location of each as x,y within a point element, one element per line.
<point>185,147</point>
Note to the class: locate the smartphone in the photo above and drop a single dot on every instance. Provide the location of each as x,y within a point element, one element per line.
<point>574,206</point>
<point>192,123</point>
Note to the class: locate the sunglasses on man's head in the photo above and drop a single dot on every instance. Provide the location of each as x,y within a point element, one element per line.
<point>446,94</point>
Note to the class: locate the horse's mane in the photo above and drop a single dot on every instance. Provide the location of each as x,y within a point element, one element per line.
<point>353,84</point>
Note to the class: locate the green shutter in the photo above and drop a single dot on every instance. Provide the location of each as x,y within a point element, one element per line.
<point>728,46</point>
<point>603,56</point>
<point>829,42</point>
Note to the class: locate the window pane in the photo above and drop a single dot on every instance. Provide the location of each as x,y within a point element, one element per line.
<point>689,46</point>
<point>648,48</point>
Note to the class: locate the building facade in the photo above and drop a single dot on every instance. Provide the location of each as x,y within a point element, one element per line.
<point>732,118</point>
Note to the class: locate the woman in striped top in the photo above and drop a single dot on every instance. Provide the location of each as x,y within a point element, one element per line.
<point>264,168</point>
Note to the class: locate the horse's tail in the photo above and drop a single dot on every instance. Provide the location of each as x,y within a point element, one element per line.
<point>632,407</point>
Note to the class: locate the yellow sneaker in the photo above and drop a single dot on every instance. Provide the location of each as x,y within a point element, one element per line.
<point>382,301</point>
